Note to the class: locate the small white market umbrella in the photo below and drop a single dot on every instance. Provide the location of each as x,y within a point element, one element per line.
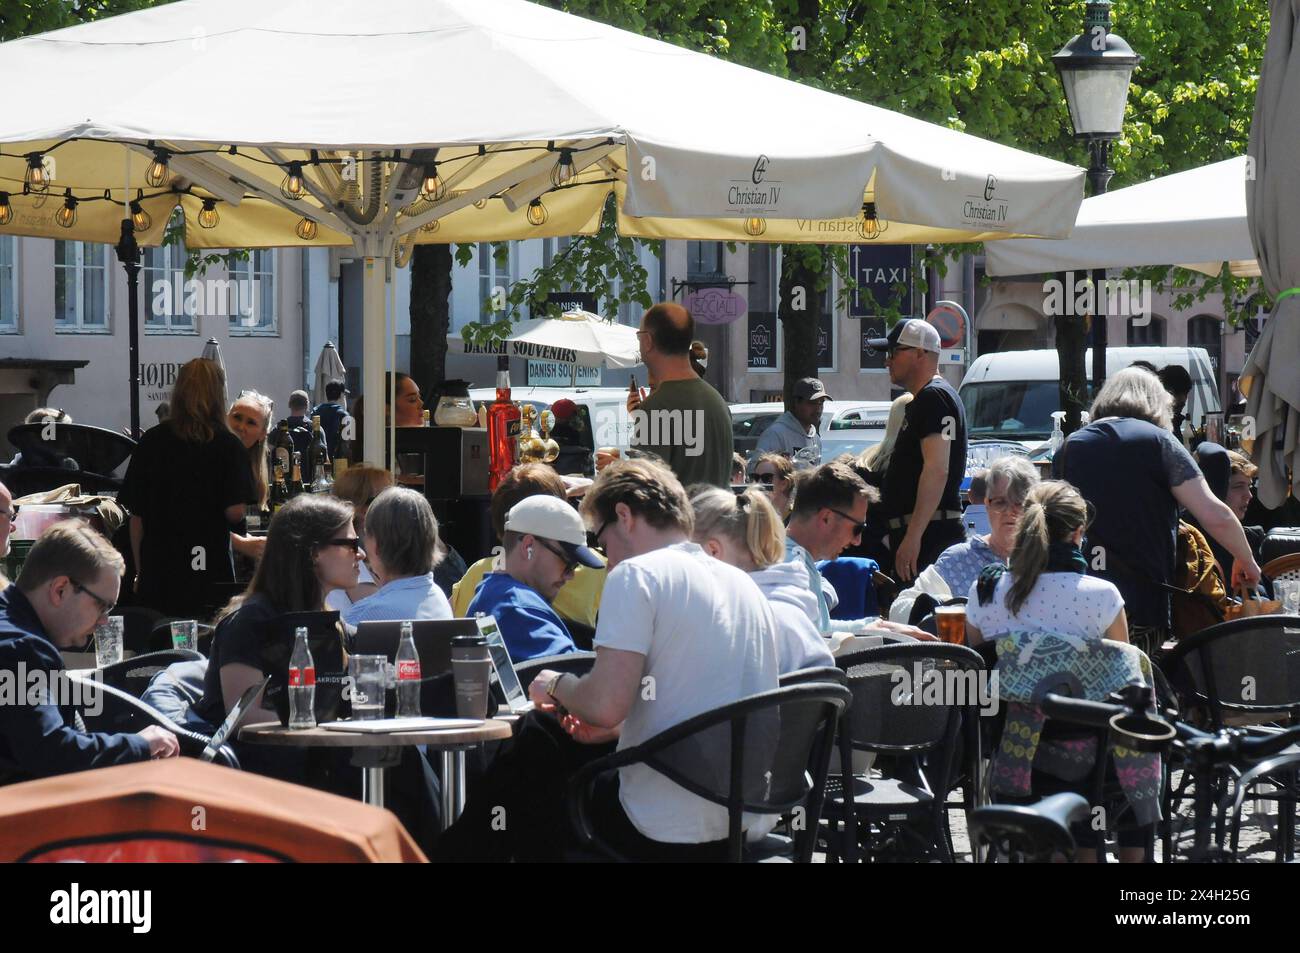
<point>329,367</point>
<point>578,338</point>
<point>1195,219</point>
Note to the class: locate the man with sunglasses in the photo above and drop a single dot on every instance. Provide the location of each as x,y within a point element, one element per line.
<point>545,541</point>
<point>922,485</point>
<point>68,584</point>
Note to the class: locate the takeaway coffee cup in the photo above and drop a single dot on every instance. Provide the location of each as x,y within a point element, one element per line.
<point>471,667</point>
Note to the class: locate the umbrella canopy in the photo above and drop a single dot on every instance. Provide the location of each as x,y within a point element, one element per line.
<point>579,338</point>
<point>146,812</point>
<point>1195,219</point>
<point>579,111</point>
<point>1270,378</point>
<point>329,367</point>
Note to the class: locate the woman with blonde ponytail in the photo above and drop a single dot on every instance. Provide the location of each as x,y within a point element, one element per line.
<point>745,531</point>
<point>1045,587</point>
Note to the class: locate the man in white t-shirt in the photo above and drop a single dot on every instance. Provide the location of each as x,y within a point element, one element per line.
<point>680,633</point>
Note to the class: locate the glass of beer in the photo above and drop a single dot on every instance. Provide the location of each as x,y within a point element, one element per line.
<point>950,624</point>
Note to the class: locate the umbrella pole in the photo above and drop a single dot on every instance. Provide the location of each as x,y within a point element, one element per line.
<point>372,359</point>
<point>128,253</point>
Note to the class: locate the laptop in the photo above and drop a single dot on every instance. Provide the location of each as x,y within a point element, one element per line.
<point>238,713</point>
<point>503,667</point>
<point>432,644</point>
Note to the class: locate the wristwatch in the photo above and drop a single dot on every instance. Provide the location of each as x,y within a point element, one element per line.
<point>554,684</point>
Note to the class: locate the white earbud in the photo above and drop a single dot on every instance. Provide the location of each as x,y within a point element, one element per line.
<point>529,553</point>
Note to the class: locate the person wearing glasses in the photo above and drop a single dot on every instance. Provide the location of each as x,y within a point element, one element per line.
<point>185,488</point>
<point>359,485</point>
<point>249,419</point>
<point>775,473</point>
<point>1008,482</point>
<point>545,541</point>
<point>922,485</point>
<point>68,584</point>
<point>401,537</point>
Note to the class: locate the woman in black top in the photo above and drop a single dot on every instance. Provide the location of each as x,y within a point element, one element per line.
<point>186,488</point>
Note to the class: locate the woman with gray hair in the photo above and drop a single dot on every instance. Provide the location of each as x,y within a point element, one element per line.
<point>1009,481</point>
<point>401,538</point>
<point>1135,473</point>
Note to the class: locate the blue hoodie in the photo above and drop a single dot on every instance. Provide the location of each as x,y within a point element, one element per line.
<point>529,625</point>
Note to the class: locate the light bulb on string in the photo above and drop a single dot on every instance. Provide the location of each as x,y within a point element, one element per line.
<point>431,226</point>
<point>755,226</point>
<point>306,230</point>
<point>292,188</point>
<point>158,174</point>
<point>537,214</point>
<point>35,179</point>
<point>141,220</point>
<point>432,188</point>
<point>871,227</point>
<point>208,216</point>
<point>563,172</point>
<point>66,217</point>
<point>6,210</point>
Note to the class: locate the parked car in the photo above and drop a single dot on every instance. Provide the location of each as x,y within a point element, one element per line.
<point>1011,395</point>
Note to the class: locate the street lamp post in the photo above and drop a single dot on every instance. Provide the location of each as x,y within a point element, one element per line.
<point>1095,69</point>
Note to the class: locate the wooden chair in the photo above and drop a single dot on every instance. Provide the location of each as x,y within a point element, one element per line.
<point>1283,568</point>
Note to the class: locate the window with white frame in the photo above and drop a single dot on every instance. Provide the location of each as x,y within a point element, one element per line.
<point>81,286</point>
<point>251,296</point>
<point>8,284</point>
<point>494,278</point>
<point>173,308</point>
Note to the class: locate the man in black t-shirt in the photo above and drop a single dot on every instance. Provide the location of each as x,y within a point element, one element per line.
<point>922,484</point>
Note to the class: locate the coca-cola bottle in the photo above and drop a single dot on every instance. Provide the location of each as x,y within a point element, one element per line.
<point>302,683</point>
<point>408,675</point>
<point>503,428</point>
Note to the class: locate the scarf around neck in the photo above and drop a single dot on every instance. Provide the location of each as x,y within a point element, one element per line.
<point>1061,557</point>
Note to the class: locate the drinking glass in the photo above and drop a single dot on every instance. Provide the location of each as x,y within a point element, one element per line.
<point>369,682</point>
<point>108,642</point>
<point>185,635</point>
<point>950,624</point>
<point>1288,590</point>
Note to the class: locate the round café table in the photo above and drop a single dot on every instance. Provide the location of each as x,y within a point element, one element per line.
<point>379,751</point>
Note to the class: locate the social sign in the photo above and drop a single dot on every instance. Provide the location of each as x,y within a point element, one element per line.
<point>715,305</point>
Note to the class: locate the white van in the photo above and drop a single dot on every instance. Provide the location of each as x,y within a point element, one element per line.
<point>611,425</point>
<point>1012,394</point>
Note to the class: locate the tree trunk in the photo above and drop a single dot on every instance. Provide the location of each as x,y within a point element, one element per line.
<point>799,313</point>
<point>430,316</point>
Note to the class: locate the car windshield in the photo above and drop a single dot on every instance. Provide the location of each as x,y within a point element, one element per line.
<point>1020,410</point>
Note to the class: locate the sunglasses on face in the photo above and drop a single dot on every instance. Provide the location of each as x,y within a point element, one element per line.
<point>593,539</point>
<point>1001,504</point>
<point>12,515</point>
<point>858,528</point>
<point>767,479</point>
<point>354,543</point>
<point>570,564</point>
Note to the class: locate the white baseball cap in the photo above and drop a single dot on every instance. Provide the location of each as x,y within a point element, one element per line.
<point>910,332</point>
<point>551,518</point>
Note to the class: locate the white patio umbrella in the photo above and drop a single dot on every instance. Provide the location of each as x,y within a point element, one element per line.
<point>329,367</point>
<point>1270,378</point>
<point>578,338</point>
<point>1195,219</point>
<point>365,125</point>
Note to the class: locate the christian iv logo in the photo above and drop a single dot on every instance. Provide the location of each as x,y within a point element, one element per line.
<point>985,209</point>
<point>757,194</point>
<point>760,170</point>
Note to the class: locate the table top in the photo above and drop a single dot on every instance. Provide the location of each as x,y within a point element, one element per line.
<point>273,733</point>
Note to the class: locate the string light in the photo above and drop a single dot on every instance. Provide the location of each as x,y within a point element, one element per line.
<point>431,226</point>
<point>34,179</point>
<point>537,214</point>
<point>306,229</point>
<point>871,227</point>
<point>6,210</point>
<point>66,217</point>
<point>158,174</point>
<point>141,220</point>
<point>208,217</point>
<point>292,187</point>
<point>755,226</point>
<point>562,174</point>
<point>432,189</point>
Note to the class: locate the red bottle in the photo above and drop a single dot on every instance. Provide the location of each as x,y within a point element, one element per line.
<point>503,428</point>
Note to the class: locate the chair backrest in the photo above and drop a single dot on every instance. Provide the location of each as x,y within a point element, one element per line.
<point>1283,568</point>
<point>108,709</point>
<point>909,697</point>
<point>807,676</point>
<point>133,675</point>
<point>574,663</point>
<point>1249,666</point>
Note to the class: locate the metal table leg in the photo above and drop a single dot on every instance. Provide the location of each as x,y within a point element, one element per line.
<point>453,785</point>
<point>372,785</point>
<point>374,764</point>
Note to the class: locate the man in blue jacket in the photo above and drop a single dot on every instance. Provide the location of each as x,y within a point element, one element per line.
<point>68,584</point>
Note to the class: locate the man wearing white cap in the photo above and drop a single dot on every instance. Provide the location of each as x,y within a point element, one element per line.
<point>922,485</point>
<point>545,540</point>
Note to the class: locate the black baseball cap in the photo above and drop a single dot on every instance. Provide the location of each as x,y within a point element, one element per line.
<point>810,388</point>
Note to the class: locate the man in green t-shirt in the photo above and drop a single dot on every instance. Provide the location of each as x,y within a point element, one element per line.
<point>685,421</point>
